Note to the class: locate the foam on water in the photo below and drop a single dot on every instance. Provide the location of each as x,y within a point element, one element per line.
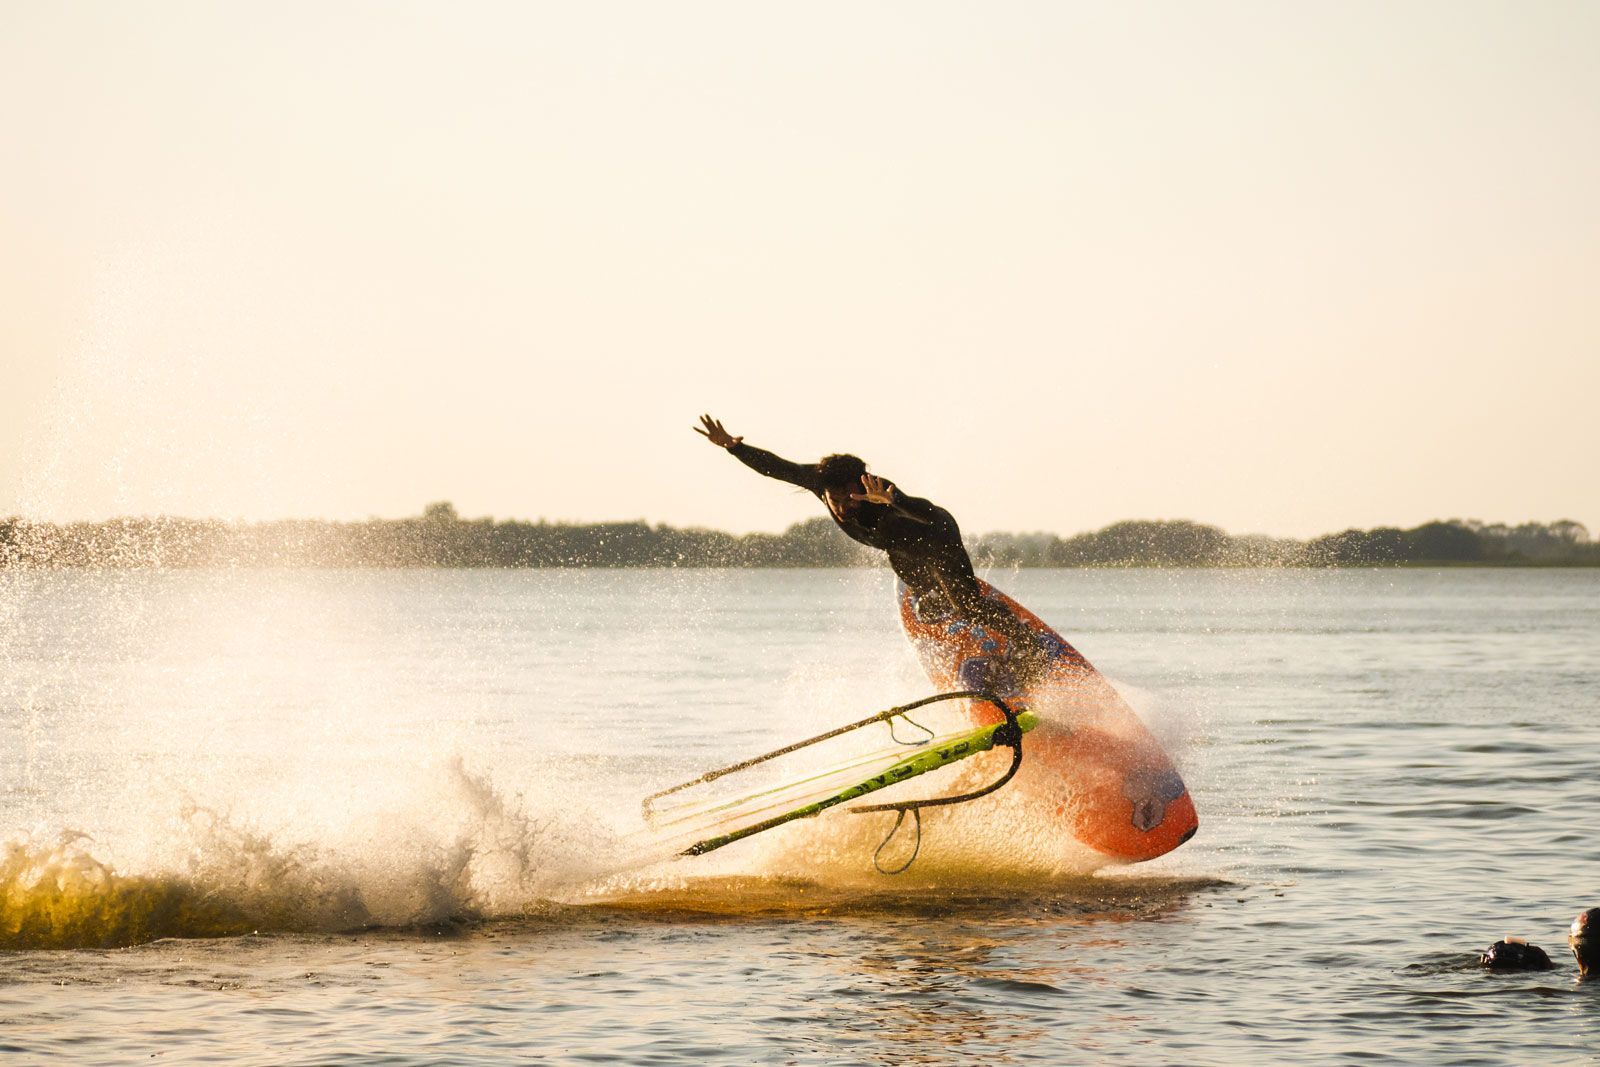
<point>459,851</point>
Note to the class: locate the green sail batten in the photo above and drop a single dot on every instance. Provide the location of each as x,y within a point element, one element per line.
<point>980,740</point>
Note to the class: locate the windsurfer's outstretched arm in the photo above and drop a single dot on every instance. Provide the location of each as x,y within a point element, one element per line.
<point>759,459</point>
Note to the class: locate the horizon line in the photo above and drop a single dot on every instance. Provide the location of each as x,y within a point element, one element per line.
<point>453,516</point>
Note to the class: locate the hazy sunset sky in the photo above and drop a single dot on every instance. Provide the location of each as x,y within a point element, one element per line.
<point>1282,267</point>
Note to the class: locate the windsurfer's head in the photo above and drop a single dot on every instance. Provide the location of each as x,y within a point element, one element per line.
<point>840,475</point>
<point>1585,942</point>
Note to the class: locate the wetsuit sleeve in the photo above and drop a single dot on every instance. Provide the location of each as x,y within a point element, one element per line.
<point>773,466</point>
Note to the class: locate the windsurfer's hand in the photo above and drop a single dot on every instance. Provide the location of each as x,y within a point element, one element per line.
<point>877,491</point>
<point>712,431</point>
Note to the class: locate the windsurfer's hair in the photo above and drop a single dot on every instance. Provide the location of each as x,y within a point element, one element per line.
<point>841,471</point>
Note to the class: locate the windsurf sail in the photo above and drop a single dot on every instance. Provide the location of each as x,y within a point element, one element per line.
<point>704,824</point>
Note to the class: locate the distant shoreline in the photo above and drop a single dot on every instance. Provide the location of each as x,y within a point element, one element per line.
<point>441,538</point>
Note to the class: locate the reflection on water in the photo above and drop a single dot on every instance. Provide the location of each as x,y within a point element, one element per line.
<point>1113,899</point>
<point>405,800</point>
<point>926,977</point>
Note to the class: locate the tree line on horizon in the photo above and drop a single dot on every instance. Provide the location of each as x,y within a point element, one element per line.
<point>441,538</point>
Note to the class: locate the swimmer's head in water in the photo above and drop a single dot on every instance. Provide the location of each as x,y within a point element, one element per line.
<point>1585,942</point>
<point>1515,954</point>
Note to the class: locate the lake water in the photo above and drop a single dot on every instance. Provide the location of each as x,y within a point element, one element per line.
<point>387,817</point>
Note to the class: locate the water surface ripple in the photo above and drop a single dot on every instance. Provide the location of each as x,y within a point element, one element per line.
<point>400,804</point>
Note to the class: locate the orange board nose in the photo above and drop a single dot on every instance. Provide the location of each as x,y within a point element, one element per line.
<point>1114,832</point>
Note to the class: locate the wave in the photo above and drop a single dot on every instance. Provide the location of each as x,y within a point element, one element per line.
<point>57,895</point>
<point>224,879</point>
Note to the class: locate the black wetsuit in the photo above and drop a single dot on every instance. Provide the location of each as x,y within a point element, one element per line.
<point>922,540</point>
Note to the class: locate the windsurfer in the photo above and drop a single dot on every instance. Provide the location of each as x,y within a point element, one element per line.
<point>921,539</point>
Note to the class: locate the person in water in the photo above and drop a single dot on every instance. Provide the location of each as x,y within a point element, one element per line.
<point>1584,940</point>
<point>921,539</point>
<point>1515,954</point>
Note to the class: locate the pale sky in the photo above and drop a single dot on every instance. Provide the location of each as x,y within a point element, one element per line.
<point>1281,267</point>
